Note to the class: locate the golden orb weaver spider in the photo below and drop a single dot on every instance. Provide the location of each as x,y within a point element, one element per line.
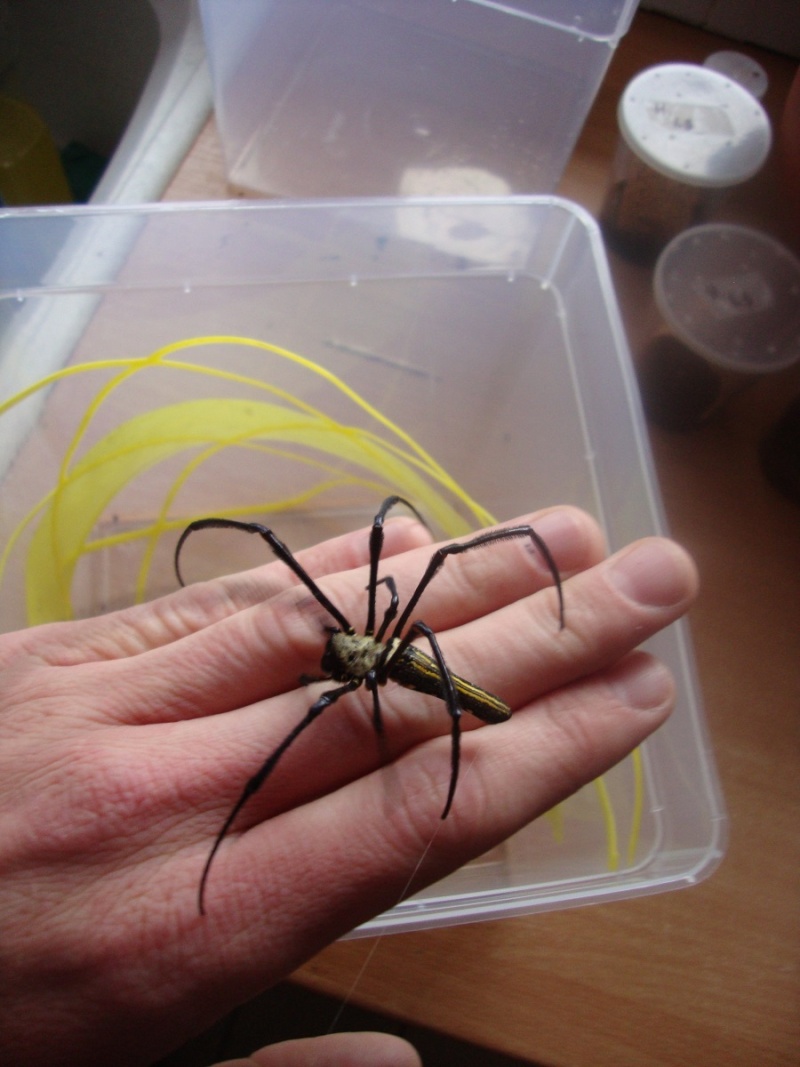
<point>375,657</point>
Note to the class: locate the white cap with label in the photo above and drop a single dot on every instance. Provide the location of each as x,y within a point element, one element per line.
<point>694,125</point>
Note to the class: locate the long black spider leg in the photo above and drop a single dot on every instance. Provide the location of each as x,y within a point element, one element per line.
<point>450,697</point>
<point>371,682</point>
<point>283,553</point>
<point>391,610</point>
<point>504,534</point>
<point>264,771</point>
<point>376,537</point>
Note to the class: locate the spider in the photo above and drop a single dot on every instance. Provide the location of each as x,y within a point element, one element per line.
<point>376,656</point>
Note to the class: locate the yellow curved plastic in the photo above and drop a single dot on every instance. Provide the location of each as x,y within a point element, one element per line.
<point>85,491</point>
<point>87,485</point>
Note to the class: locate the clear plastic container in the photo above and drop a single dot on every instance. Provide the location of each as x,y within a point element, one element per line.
<point>386,97</point>
<point>740,68</point>
<point>687,134</point>
<point>729,297</point>
<point>487,329</point>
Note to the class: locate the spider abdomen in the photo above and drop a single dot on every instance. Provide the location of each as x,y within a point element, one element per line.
<point>416,670</point>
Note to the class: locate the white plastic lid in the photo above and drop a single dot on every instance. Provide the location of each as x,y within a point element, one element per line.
<point>741,69</point>
<point>694,125</point>
<point>732,295</point>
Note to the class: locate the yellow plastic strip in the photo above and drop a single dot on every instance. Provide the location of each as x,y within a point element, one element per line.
<point>638,805</point>
<point>610,822</point>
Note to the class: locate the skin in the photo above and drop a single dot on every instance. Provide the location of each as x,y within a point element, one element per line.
<point>125,740</point>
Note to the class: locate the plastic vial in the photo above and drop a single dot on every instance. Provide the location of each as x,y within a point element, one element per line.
<point>687,133</point>
<point>729,297</point>
<point>741,69</point>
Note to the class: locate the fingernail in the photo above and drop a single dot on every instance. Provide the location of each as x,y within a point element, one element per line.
<point>652,572</point>
<point>643,683</point>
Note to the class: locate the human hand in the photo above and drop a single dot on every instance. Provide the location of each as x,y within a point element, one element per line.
<point>125,740</point>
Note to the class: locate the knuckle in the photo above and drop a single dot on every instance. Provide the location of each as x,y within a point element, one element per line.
<point>293,626</point>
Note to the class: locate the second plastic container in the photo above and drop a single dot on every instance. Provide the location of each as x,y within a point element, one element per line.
<point>390,97</point>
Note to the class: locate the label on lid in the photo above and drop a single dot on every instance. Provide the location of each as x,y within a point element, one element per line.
<point>729,295</point>
<point>699,119</point>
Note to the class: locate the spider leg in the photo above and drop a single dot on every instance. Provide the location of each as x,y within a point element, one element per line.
<point>371,682</point>
<point>264,771</point>
<point>450,697</point>
<point>283,553</point>
<point>391,611</point>
<point>505,534</point>
<point>376,537</point>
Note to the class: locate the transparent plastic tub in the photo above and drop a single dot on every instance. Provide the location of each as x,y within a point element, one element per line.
<point>386,97</point>
<point>485,329</point>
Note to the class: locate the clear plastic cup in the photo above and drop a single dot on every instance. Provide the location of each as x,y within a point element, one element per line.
<point>739,68</point>
<point>729,297</point>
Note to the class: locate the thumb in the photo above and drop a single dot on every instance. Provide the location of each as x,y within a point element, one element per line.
<point>334,1050</point>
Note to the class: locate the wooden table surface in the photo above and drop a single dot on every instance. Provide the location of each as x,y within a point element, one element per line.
<point>707,975</point>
